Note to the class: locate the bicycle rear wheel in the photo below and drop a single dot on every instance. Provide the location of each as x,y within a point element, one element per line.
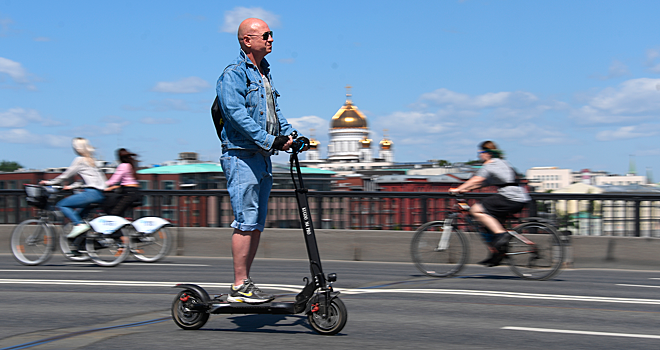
<point>541,257</point>
<point>108,249</point>
<point>32,242</point>
<point>151,247</point>
<point>437,258</point>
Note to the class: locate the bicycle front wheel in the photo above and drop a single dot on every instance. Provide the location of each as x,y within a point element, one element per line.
<point>151,247</point>
<point>108,249</point>
<point>539,255</point>
<point>437,253</point>
<point>32,242</point>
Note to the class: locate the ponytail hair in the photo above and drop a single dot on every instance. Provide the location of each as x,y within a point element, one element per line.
<point>491,148</point>
<point>125,156</point>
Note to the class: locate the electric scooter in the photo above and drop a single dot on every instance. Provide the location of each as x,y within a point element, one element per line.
<point>325,312</point>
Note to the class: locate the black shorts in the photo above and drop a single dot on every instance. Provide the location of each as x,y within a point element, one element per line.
<point>499,207</point>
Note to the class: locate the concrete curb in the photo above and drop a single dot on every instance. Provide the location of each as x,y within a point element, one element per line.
<point>394,246</point>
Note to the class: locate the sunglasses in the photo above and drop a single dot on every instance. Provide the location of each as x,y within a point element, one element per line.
<point>265,35</point>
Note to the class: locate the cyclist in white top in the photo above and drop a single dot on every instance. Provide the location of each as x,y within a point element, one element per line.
<point>75,206</point>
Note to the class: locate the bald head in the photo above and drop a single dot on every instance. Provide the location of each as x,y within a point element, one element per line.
<point>253,42</point>
<point>250,26</point>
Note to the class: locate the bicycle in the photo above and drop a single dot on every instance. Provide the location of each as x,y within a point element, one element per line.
<point>151,240</point>
<point>439,249</point>
<point>33,240</point>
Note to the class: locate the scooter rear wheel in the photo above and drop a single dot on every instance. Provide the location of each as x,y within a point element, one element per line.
<point>184,315</point>
<point>334,321</point>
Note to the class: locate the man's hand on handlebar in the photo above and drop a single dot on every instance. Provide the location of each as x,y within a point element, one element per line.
<point>282,143</point>
<point>455,191</point>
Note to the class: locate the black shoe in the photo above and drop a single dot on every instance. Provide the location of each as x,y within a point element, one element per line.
<point>493,260</point>
<point>501,243</point>
<point>497,259</point>
<point>488,260</point>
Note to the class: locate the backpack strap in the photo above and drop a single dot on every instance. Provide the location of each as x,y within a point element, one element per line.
<point>515,176</point>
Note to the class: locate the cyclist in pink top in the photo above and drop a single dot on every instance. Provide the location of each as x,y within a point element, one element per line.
<point>123,188</point>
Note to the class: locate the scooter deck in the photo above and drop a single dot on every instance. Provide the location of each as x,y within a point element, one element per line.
<point>223,307</point>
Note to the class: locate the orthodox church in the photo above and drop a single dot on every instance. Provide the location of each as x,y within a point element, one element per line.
<point>350,147</point>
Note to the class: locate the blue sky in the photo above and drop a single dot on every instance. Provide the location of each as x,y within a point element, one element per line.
<point>572,84</point>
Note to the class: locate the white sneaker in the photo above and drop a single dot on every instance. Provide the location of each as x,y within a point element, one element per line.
<point>78,230</point>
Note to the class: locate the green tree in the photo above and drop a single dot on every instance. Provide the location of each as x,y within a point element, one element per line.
<point>443,162</point>
<point>8,166</point>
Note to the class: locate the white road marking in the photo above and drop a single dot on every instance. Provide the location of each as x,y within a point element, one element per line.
<point>138,263</point>
<point>50,270</point>
<point>567,331</point>
<point>297,288</point>
<point>637,285</point>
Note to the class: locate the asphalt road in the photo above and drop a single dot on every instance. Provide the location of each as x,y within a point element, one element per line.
<point>62,305</point>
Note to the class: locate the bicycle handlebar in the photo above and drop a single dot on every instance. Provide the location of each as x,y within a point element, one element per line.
<point>299,143</point>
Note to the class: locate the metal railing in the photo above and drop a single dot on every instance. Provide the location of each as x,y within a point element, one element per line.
<point>613,214</point>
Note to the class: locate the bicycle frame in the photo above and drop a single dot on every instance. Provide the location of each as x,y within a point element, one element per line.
<point>462,206</point>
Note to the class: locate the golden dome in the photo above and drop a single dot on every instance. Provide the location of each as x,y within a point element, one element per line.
<point>313,144</point>
<point>385,144</point>
<point>365,142</point>
<point>348,116</point>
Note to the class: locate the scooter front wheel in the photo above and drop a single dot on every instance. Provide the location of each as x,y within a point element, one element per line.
<point>183,312</point>
<point>331,323</point>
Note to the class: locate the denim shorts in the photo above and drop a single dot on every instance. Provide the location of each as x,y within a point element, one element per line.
<point>249,176</point>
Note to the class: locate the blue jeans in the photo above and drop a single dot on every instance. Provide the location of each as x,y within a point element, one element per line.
<point>75,206</point>
<point>249,181</point>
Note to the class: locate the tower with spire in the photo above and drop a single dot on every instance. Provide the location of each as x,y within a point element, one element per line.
<point>313,154</point>
<point>386,151</point>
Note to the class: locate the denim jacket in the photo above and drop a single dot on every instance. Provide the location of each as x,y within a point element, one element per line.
<point>243,102</point>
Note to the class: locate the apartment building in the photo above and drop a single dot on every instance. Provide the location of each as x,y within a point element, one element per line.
<point>542,179</point>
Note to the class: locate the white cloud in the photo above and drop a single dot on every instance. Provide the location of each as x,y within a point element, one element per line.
<point>616,70</point>
<point>488,100</point>
<point>526,133</point>
<point>627,132</point>
<point>183,86</point>
<point>14,69</point>
<point>22,136</point>
<point>109,125</point>
<point>635,99</point>
<point>651,56</point>
<point>306,123</point>
<point>16,72</point>
<point>234,17</point>
<point>416,122</point>
<point>4,26</point>
<point>18,117</point>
